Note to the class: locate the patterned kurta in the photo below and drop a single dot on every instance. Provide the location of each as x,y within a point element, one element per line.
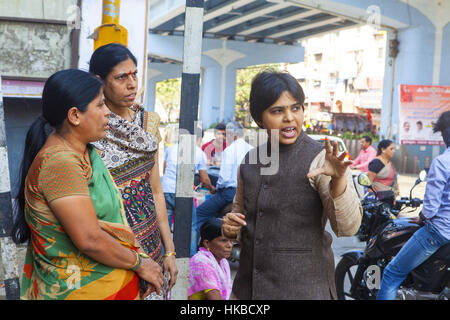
<point>129,152</point>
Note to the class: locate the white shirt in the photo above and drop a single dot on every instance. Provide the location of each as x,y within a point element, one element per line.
<point>169,179</point>
<point>232,157</point>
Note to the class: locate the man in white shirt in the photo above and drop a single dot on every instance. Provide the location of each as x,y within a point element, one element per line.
<point>226,185</point>
<point>169,181</point>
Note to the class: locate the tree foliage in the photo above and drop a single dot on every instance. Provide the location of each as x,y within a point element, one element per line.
<point>168,94</point>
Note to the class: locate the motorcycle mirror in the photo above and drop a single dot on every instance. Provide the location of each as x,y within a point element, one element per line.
<point>363,179</point>
<point>423,176</point>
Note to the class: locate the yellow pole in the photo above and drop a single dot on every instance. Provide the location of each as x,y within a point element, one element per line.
<point>111,11</point>
<point>110,31</point>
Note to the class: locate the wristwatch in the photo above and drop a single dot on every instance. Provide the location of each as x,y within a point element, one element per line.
<point>422,217</point>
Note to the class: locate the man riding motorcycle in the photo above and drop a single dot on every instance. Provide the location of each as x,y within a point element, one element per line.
<point>435,217</point>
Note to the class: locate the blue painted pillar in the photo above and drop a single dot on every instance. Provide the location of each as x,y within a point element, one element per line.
<point>159,72</point>
<point>215,105</point>
<point>445,58</point>
<point>210,96</point>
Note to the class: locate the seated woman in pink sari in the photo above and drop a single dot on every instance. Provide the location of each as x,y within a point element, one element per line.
<point>381,171</point>
<point>209,272</point>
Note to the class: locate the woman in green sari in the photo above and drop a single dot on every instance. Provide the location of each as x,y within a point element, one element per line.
<point>80,244</point>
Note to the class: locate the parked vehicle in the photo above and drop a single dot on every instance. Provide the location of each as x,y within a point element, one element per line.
<point>342,148</point>
<point>358,274</point>
<point>340,142</point>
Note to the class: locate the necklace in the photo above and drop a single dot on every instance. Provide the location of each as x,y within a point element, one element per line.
<point>130,114</point>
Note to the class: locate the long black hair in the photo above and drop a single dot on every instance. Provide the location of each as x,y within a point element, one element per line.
<point>106,57</point>
<point>266,89</point>
<point>62,91</point>
<point>383,144</point>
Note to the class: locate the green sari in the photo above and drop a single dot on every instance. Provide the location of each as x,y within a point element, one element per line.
<point>54,267</point>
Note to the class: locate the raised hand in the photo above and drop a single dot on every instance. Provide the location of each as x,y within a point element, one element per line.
<point>335,165</point>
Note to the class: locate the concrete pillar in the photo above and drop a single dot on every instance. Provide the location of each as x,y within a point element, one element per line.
<point>217,95</point>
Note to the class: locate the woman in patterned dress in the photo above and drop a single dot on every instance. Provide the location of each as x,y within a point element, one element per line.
<point>130,152</point>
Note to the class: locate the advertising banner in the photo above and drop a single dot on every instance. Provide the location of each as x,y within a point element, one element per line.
<point>419,107</point>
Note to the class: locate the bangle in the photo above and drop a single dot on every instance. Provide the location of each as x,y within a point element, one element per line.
<point>138,262</point>
<point>168,254</point>
<point>144,255</point>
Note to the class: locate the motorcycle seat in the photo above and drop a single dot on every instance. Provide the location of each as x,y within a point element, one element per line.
<point>443,253</point>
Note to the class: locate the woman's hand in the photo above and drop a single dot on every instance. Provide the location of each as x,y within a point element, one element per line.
<point>335,166</point>
<point>171,267</point>
<point>151,272</point>
<point>232,224</point>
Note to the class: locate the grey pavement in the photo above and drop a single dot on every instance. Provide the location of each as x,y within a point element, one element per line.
<point>339,245</point>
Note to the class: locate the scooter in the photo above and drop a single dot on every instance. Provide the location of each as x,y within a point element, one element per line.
<point>358,274</point>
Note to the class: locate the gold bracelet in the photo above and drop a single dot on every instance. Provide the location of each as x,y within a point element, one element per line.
<point>144,255</point>
<point>168,254</point>
<point>137,263</point>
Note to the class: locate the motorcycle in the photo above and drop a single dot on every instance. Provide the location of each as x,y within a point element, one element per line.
<point>380,207</point>
<point>358,274</point>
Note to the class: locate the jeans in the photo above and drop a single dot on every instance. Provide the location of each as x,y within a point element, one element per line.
<point>214,205</point>
<point>424,242</point>
<point>170,205</point>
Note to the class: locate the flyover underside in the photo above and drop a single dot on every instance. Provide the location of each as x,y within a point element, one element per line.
<point>279,22</point>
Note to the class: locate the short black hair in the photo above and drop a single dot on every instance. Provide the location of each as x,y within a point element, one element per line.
<point>106,57</point>
<point>220,126</point>
<point>210,230</point>
<point>368,139</point>
<point>266,89</point>
<point>442,123</point>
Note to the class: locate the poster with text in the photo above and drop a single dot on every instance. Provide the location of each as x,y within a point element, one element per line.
<point>420,106</point>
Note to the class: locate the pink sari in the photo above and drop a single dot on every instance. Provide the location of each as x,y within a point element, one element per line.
<point>385,179</point>
<point>205,273</point>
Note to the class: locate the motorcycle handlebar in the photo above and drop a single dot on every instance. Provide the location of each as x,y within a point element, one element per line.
<point>414,202</point>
